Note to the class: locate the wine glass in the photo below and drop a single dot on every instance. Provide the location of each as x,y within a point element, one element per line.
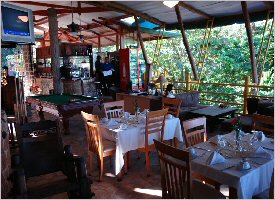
<point>254,137</point>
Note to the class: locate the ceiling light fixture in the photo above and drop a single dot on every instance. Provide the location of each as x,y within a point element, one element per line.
<point>74,28</point>
<point>170,4</point>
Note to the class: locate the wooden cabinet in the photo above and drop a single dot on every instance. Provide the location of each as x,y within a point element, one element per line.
<point>144,102</point>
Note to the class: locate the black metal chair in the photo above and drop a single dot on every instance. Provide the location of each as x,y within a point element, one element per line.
<point>41,152</point>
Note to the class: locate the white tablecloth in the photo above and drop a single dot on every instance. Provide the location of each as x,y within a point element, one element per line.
<point>134,137</point>
<point>247,183</point>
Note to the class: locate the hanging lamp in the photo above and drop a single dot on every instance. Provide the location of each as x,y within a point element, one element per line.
<point>74,28</point>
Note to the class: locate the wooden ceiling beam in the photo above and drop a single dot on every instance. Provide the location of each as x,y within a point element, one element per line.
<point>194,10</point>
<point>46,19</point>
<point>125,9</point>
<point>40,28</point>
<point>75,10</point>
<point>121,24</point>
<point>269,4</point>
<point>39,20</point>
<point>104,36</point>
<point>49,5</point>
<point>105,24</point>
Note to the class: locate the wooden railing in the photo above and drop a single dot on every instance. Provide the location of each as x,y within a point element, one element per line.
<point>245,91</point>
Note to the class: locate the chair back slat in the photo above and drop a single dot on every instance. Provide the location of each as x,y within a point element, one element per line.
<point>173,106</point>
<point>114,109</point>
<point>263,123</point>
<point>194,131</point>
<point>93,133</point>
<point>155,122</point>
<point>175,171</point>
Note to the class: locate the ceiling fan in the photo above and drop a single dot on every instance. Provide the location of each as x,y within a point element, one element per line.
<point>74,28</point>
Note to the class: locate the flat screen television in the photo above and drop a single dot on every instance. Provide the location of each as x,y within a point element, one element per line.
<point>17,24</point>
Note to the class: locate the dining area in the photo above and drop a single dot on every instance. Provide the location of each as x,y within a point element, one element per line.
<point>191,163</point>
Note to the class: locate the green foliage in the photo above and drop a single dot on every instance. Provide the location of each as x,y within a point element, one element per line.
<point>228,59</point>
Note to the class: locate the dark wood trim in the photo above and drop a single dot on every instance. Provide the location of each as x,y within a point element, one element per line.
<point>125,9</point>
<point>194,10</point>
<point>250,42</point>
<point>46,19</point>
<point>220,21</point>
<point>49,5</point>
<point>75,10</point>
<point>186,44</point>
<point>104,24</point>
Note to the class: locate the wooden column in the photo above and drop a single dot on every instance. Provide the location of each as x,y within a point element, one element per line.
<point>117,42</point>
<point>144,55</point>
<point>99,44</point>
<point>122,43</point>
<point>250,42</point>
<point>186,44</point>
<point>245,94</point>
<point>54,47</point>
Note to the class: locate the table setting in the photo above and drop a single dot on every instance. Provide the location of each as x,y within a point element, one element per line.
<point>236,161</point>
<point>128,132</point>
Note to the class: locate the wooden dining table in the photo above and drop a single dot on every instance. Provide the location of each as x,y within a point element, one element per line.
<point>243,184</point>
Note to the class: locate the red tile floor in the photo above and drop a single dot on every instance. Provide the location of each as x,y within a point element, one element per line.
<point>134,185</point>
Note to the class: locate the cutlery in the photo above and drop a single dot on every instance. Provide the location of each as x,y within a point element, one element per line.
<point>203,149</point>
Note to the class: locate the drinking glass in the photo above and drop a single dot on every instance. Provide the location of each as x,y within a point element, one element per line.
<point>254,137</point>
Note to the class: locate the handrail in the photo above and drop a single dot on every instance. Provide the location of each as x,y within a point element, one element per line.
<point>244,95</point>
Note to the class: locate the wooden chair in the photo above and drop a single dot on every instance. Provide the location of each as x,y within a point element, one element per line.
<point>41,152</point>
<point>173,106</point>
<point>176,177</point>
<point>96,144</point>
<point>114,109</point>
<point>194,131</point>
<point>155,123</point>
<point>263,123</point>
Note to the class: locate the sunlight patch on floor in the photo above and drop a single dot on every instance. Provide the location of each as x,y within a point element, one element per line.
<point>110,175</point>
<point>149,191</point>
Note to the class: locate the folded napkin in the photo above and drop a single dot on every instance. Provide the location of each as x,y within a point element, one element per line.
<point>169,116</point>
<point>260,136</point>
<point>170,96</point>
<point>123,126</point>
<point>260,152</point>
<point>215,158</point>
<point>193,153</point>
<point>126,115</point>
<point>112,122</point>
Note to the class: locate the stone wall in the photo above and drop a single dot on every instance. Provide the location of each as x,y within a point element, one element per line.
<point>5,157</point>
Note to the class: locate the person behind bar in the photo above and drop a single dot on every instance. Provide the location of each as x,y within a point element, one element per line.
<point>108,69</point>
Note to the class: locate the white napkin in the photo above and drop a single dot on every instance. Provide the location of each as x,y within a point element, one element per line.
<point>260,136</point>
<point>171,96</point>
<point>169,116</point>
<point>142,118</point>
<point>126,115</point>
<point>260,152</point>
<point>215,158</point>
<point>112,122</point>
<point>123,126</point>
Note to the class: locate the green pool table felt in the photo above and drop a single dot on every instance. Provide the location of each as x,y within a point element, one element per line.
<point>62,99</point>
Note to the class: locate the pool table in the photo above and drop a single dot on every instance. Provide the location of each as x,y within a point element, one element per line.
<point>63,106</point>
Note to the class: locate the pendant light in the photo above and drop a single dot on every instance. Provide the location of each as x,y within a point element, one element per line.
<point>74,28</point>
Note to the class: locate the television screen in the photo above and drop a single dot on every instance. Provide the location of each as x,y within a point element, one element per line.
<point>17,24</point>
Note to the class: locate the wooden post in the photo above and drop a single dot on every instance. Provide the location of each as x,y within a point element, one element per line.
<point>186,44</point>
<point>245,94</point>
<point>187,79</point>
<point>117,42</point>
<point>54,47</point>
<point>122,44</point>
<point>250,42</point>
<point>144,55</point>
<point>99,44</point>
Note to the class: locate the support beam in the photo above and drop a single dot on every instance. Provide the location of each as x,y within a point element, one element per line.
<point>104,24</point>
<point>250,42</point>
<point>75,10</point>
<point>125,9</point>
<point>269,4</point>
<point>186,44</point>
<point>40,28</point>
<point>117,42</point>
<point>49,5</point>
<point>194,10</point>
<point>144,55</point>
<point>105,36</point>
<point>46,19</point>
<point>55,60</point>
<point>121,39</point>
<point>99,44</point>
